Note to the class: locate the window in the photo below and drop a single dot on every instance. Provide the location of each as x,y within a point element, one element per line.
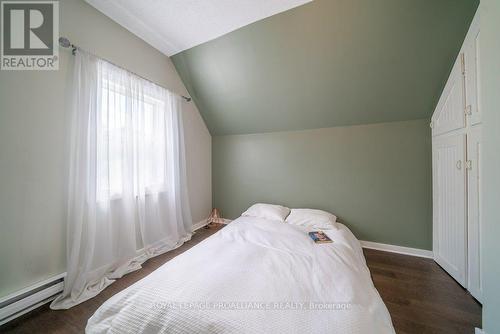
<point>132,139</point>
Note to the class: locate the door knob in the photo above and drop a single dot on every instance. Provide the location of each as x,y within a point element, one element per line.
<point>468,110</point>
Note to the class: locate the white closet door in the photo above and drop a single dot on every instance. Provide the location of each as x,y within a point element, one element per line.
<point>472,89</point>
<point>449,190</point>
<point>449,114</point>
<point>474,212</point>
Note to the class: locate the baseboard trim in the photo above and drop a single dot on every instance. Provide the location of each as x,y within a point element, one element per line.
<point>204,223</point>
<point>199,225</point>
<point>397,249</point>
<point>27,299</point>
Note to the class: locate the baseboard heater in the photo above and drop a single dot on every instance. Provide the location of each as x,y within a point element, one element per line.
<point>28,299</point>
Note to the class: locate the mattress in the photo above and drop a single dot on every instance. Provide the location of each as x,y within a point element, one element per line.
<point>253,276</point>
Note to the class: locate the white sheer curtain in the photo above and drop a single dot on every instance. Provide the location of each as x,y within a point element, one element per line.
<point>127,182</point>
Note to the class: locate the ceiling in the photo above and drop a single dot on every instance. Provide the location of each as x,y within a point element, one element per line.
<point>327,63</point>
<point>172,26</point>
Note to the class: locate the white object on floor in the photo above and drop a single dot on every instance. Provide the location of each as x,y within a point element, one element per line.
<point>254,285</point>
<point>315,219</point>
<point>267,211</point>
<point>176,25</point>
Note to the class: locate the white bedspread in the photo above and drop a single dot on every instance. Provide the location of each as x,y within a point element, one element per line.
<point>253,276</point>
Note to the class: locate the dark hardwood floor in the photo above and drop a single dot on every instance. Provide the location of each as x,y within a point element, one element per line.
<point>420,296</point>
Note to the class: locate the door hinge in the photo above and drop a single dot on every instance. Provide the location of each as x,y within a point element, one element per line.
<point>431,124</point>
<point>462,61</point>
<point>468,164</point>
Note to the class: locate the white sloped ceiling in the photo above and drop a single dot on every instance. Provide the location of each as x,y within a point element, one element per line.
<point>173,26</point>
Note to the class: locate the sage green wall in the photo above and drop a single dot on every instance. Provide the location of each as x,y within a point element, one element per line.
<point>328,63</point>
<point>376,178</point>
<point>490,101</point>
<point>33,120</point>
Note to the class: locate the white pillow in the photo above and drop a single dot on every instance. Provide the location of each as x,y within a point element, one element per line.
<point>314,219</point>
<point>267,211</point>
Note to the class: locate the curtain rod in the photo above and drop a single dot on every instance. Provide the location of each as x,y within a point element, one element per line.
<point>65,43</point>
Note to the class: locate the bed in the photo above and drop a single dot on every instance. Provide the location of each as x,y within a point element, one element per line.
<point>253,276</point>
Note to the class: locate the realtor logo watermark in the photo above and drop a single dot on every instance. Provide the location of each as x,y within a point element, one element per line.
<point>29,35</point>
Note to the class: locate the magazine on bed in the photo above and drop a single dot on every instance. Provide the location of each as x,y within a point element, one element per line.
<point>320,237</point>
